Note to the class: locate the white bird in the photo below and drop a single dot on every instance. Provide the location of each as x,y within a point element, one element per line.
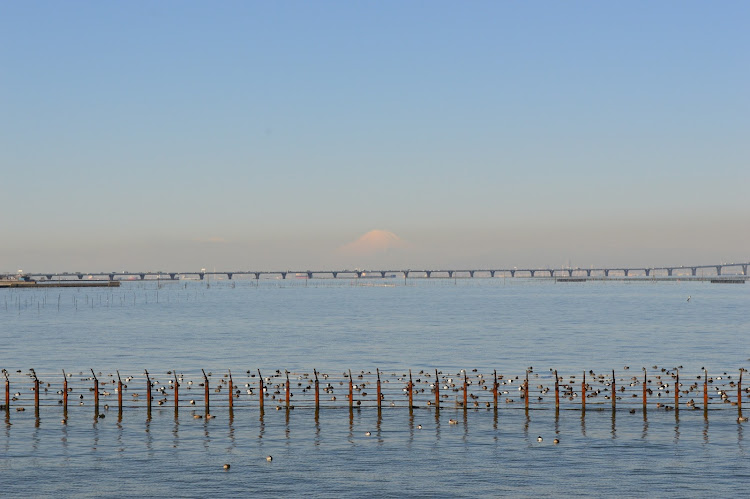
<point>688,298</point>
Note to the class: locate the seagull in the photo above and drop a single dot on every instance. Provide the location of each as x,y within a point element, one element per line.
<point>688,298</point>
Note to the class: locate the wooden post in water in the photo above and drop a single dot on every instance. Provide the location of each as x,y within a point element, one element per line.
<point>645,381</point>
<point>36,393</point>
<point>317,391</point>
<point>96,392</point>
<point>677,390</point>
<point>494,390</point>
<point>613,391</point>
<point>7,390</point>
<point>260,391</point>
<point>410,387</point>
<point>148,393</point>
<point>119,392</point>
<point>437,391</point>
<point>705,390</point>
<point>205,392</point>
<point>466,391</point>
<point>231,391</point>
<point>739,393</point>
<point>557,392</point>
<point>526,391</point>
<point>583,392</point>
<point>176,392</point>
<point>65,392</point>
<point>351,391</point>
<point>379,394</point>
<point>289,389</point>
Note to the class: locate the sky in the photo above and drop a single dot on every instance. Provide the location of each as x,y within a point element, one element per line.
<point>179,135</point>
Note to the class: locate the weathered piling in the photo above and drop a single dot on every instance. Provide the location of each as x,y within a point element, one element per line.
<point>231,390</point>
<point>176,392</point>
<point>379,392</point>
<point>557,392</point>
<point>317,391</point>
<point>261,391</point>
<point>289,389</point>
<point>466,391</point>
<point>739,393</point>
<point>613,391</point>
<point>410,389</point>
<point>526,391</point>
<point>494,390</point>
<point>36,393</point>
<point>351,390</point>
<point>205,393</point>
<point>7,390</point>
<point>96,391</point>
<point>119,392</point>
<point>583,392</point>
<point>645,381</point>
<point>437,391</point>
<point>677,390</point>
<point>148,391</point>
<point>705,390</point>
<point>65,392</point>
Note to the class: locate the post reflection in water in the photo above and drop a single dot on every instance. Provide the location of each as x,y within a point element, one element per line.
<point>287,431</point>
<point>176,432</point>
<point>614,426</point>
<point>583,423</point>
<point>261,422</point>
<point>379,426</point>
<point>645,425</point>
<point>317,427</point>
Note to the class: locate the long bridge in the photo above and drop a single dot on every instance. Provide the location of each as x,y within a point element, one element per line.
<point>720,269</point>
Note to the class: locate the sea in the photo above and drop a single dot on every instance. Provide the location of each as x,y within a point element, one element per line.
<point>415,335</point>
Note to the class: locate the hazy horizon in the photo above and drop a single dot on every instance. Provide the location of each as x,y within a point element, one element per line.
<point>243,135</point>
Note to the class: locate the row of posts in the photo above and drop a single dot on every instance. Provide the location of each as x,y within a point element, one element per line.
<point>409,389</point>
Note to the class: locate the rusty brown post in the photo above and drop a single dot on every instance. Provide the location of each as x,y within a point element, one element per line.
<point>205,392</point>
<point>96,391</point>
<point>494,390</point>
<point>557,392</point>
<point>583,390</point>
<point>739,392</point>
<point>119,392</point>
<point>677,390</point>
<point>378,390</point>
<point>437,390</point>
<point>7,390</point>
<point>645,381</point>
<point>526,390</point>
<point>411,392</point>
<point>466,391</point>
<point>176,391</point>
<point>351,391</point>
<point>614,391</point>
<point>36,393</point>
<point>231,391</point>
<point>705,390</point>
<point>288,389</point>
<point>148,392</point>
<point>317,390</point>
<point>260,391</point>
<point>65,392</point>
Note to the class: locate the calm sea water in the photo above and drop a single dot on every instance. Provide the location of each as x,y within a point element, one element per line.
<point>394,325</point>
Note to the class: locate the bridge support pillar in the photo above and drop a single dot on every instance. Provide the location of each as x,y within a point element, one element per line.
<point>694,270</point>
<point>111,277</point>
<point>744,270</point>
<point>201,275</point>
<point>309,275</point>
<point>334,274</point>
<point>428,273</point>
<point>471,273</point>
<point>552,272</point>
<point>382,274</point>
<point>532,272</point>
<point>229,276</point>
<point>570,272</point>
<point>513,273</point>
<point>492,273</point>
<point>80,276</point>
<point>450,273</point>
<point>283,275</point>
<point>588,273</point>
<point>171,275</point>
<point>143,276</point>
<point>257,276</point>
<point>606,272</point>
<point>626,271</point>
<point>669,272</point>
<point>406,274</point>
<point>49,277</point>
<point>648,272</point>
<point>718,270</point>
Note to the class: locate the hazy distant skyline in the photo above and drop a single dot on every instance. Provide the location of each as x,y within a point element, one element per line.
<point>249,135</point>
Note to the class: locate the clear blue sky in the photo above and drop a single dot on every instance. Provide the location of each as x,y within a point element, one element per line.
<point>256,135</point>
